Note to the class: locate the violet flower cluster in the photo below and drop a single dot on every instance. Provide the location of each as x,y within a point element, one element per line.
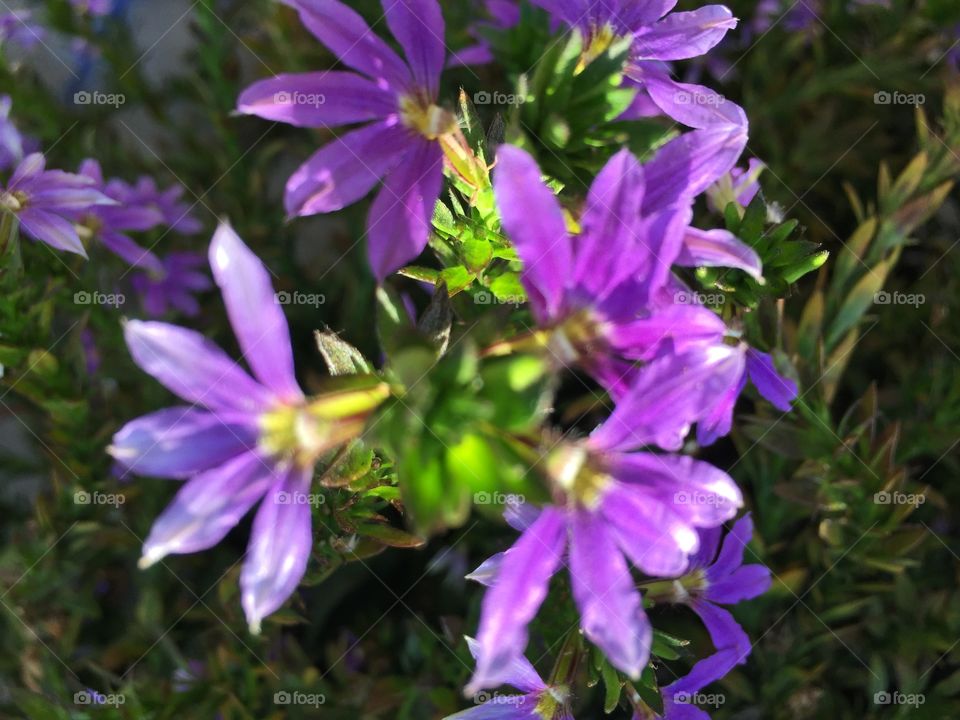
<point>604,299</point>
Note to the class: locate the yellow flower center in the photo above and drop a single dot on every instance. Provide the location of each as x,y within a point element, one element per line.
<point>576,476</point>
<point>426,118</point>
<point>552,701</point>
<point>596,43</point>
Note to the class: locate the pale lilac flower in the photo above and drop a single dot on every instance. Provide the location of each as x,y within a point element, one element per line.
<point>716,579</point>
<point>395,100</point>
<point>177,214</point>
<point>110,224</point>
<point>240,439</point>
<point>613,504</point>
<point>176,287</point>
<point>539,701</point>
<point>45,202</point>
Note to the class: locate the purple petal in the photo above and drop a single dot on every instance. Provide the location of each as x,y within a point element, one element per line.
<point>709,544</point>
<point>655,538</point>
<point>511,603</point>
<point>350,38</point>
<point>611,246</point>
<point>279,548</point>
<point>635,15</point>
<point>668,395</point>
<point>702,494</point>
<point>718,421</point>
<point>51,229</point>
<point>744,583</point>
<point>398,225</point>
<point>694,105</point>
<point>611,612</point>
<point>519,515</point>
<point>207,507</point>
<point>486,572</point>
<point>193,367</point>
<point>684,35</point>
<point>731,551</point>
<point>343,171</point>
<point>126,249</point>
<point>687,165</point>
<point>520,674</point>
<point>179,442</point>
<point>418,27</point>
<point>534,223</point>
<point>776,388</point>
<point>718,248</point>
<point>501,707</point>
<point>681,326</point>
<point>317,99</point>
<point>731,642</point>
<point>31,166</point>
<point>256,316</point>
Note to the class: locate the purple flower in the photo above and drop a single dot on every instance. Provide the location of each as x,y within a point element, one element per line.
<point>612,505</point>
<point>739,185</point>
<point>242,439</point>
<point>45,201</point>
<point>397,102</point>
<point>109,224</point>
<point>11,141</point>
<point>175,288</point>
<point>175,212</point>
<point>716,579</point>
<point>96,8</point>
<point>598,294</point>
<point>759,368</point>
<point>18,28</point>
<point>539,701</point>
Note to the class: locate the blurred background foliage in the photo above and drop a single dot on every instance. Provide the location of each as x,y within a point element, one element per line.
<point>865,597</point>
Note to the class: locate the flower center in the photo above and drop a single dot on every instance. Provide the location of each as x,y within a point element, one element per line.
<point>578,336</point>
<point>552,701</point>
<point>423,117</point>
<point>596,43</point>
<point>576,476</point>
<point>14,201</point>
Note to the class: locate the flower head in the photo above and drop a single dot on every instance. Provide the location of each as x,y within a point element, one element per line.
<point>242,439</point>
<point>175,288</point>
<point>17,27</point>
<point>45,202</point>
<point>394,99</point>
<point>539,700</point>
<point>611,505</point>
